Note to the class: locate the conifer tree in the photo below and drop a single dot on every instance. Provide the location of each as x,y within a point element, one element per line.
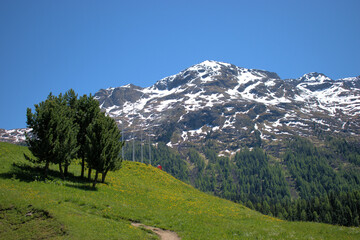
<point>87,109</point>
<point>54,132</point>
<point>40,122</point>
<point>303,216</point>
<point>103,146</point>
<point>64,131</point>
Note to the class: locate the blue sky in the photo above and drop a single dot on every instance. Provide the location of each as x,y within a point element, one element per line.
<point>52,46</point>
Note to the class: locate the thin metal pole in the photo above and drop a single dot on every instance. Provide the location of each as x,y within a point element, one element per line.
<point>122,138</point>
<point>149,150</point>
<point>142,154</point>
<point>122,125</point>
<point>133,157</point>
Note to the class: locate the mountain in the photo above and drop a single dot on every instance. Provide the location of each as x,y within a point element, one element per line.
<point>14,135</point>
<point>235,106</point>
<point>247,135</point>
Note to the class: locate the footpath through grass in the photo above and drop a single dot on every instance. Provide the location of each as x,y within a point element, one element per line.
<point>33,208</point>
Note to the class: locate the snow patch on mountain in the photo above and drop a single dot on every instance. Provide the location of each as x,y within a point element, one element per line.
<point>238,93</point>
<point>227,102</point>
<point>14,135</point>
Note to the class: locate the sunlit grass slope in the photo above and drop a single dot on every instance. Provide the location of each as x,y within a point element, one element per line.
<point>57,209</point>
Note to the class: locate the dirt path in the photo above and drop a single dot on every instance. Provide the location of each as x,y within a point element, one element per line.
<point>163,234</point>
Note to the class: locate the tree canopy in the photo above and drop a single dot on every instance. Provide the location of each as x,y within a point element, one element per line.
<point>65,127</point>
<point>103,145</point>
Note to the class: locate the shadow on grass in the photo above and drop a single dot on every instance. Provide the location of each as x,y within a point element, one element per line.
<point>86,186</point>
<point>27,173</point>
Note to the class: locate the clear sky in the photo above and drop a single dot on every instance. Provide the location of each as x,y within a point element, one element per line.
<point>52,46</point>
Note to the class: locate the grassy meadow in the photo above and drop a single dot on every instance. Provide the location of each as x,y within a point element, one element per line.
<point>36,208</point>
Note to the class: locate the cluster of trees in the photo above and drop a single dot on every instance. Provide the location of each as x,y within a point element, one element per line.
<point>249,176</point>
<point>349,151</point>
<point>326,195</point>
<point>258,178</point>
<point>263,183</point>
<point>66,127</point>
<point>314,168</point>
<point>341,208</point>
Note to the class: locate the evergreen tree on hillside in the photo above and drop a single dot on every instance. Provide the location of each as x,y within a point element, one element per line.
<point>64,131</point>
<point>40,122</point>
<point>54,132</point>
<point>103,146</point>
<point>87,108</point>
<point>71,102</point>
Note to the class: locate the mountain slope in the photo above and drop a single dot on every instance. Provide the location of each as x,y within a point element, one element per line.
<point>140,193</point>
<point>221,110</point>
<point>214,100</point>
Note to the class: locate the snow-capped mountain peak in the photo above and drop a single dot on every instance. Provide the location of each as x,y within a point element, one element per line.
<point>220,99</point>
<point>233,104</point>
<point>209,65</point>
<point>204,70</point>
<point>213,72</point>
<point>314,77</point>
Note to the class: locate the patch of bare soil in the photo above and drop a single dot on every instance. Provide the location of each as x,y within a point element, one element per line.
<point>163,234</point>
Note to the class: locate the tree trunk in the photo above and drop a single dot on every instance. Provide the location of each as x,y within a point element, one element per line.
<point>82,167</point>
<point>66,170</point>
<point>61,171</point>
<point>46,169</point>
<point>95,179</point>
<point>89,174</point>
<point>104,176</point>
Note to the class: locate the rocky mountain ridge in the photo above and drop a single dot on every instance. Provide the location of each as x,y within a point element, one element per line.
<point>234,106</point>
<point>14,135</point>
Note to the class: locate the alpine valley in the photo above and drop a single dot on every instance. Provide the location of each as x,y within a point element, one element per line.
<point>246,135</point>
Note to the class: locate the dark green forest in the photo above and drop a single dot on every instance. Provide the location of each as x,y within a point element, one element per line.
<point>307,183</point>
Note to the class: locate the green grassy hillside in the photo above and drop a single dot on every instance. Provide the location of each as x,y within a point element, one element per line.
<point>32,208</point>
